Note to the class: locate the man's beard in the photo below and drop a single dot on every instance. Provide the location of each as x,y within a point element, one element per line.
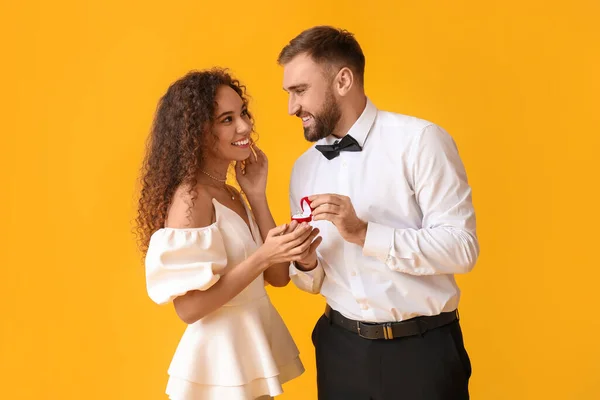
<point>325,121</point>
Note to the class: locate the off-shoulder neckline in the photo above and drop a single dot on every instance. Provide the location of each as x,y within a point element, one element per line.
<point>214,224</point>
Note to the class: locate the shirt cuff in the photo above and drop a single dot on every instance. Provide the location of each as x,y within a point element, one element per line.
<point>309,281</point>
<point>378,241</point>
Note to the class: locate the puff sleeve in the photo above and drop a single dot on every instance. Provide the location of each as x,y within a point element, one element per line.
<point>181,260</point>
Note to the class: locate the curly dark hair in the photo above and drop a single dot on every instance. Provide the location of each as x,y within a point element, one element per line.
<point>181,131</point>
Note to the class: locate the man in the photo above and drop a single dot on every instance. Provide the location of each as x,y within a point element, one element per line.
<point>391,200</point>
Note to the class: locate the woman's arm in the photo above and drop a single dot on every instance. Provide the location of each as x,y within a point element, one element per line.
<point>277,274</point>
<point>278,246</point>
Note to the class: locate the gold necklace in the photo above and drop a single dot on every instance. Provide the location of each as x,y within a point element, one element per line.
<point>223,181</point>
<point>213,178</point>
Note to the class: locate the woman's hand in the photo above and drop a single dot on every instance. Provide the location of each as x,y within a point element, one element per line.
<point>286,243</point>
<point>251,173</point>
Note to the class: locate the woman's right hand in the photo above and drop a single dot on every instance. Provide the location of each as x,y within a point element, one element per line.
<point>287,242</point>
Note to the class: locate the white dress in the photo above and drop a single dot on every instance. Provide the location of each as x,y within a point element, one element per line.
<point>241,351</point>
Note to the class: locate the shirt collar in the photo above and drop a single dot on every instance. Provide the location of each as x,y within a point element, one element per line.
<point>361,128</point>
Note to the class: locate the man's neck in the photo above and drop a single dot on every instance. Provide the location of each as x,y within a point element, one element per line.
<point>351,111</point>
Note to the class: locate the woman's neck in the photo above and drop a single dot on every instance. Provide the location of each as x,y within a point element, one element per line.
<point>214,170</point>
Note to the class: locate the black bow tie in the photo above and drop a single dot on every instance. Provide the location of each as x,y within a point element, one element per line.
<point>331,151</point>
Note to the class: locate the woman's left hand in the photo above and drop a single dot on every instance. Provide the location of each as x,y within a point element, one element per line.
<point>252,175</point>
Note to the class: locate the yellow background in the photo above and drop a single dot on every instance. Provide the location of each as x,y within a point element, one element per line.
<point>516,83</point>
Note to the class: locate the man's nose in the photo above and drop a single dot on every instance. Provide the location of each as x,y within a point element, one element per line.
<point>293,106</point>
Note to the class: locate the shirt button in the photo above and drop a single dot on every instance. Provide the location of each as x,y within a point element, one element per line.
<point>353,273</point>
<point>364,306</point>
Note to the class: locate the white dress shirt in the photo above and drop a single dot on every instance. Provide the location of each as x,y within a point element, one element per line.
<point>410,186</point>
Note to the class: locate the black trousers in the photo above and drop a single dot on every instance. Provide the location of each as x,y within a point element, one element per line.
<point>434,366</point>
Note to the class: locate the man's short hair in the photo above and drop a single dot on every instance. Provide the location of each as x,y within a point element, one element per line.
<point>327,45</point>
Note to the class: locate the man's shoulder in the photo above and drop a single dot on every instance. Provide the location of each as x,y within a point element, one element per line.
<point>395,126</point>
<point>408,123</point>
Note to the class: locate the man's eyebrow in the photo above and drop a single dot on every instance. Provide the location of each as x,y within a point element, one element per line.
<point>295,87</point>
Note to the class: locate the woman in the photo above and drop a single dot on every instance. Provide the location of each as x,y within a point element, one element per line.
<point>208,252</point>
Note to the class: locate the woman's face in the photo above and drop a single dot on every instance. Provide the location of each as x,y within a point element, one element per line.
<point>232,126</point>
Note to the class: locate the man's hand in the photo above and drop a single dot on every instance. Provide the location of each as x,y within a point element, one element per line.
<point>339,210</point>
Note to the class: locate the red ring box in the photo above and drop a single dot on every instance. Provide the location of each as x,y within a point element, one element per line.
<point>306,215</point>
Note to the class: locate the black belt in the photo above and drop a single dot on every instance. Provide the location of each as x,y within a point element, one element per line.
<point>391,330</point>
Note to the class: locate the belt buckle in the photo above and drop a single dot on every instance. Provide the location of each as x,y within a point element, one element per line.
<point>359,331</point>
<point>388,334</point>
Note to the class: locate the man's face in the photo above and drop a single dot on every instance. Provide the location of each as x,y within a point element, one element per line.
<point>311,97</point>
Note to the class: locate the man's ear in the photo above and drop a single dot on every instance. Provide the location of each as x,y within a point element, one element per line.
<point>343,81</point>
